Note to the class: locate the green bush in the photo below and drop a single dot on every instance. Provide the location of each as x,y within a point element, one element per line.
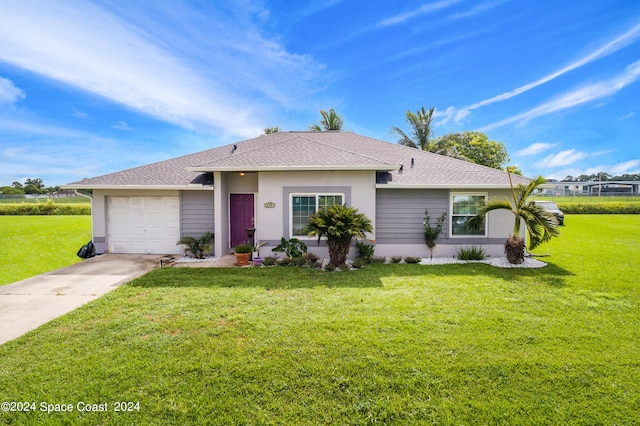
<point>600,208</point>
<point>396,259</point>
<point>269,261</point>
<point>365,250</point>
<point>298,261</point>
<point>410,259</point>
<point>45,209</point>
<point>471,253</point>
<point>359,263</point>
<point>285,261</point>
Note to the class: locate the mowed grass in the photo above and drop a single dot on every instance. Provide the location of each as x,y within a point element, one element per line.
<point>388,344</point>
<point>31,245</point>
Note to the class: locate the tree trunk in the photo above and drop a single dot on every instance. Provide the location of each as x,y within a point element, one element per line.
<point>338,251</point>
<point>514,249</point>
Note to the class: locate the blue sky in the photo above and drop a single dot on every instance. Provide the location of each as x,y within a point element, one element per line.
<point>92,87</point>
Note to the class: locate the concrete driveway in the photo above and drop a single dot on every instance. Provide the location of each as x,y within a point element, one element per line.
<point>27,304</point>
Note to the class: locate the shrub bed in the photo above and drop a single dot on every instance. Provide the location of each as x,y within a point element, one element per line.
<point>45,209</point>
<point>600,208</point>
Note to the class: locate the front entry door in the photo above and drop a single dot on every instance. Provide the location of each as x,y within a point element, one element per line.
<point>241,217</point>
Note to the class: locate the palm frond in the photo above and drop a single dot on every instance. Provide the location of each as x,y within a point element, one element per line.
<point>477,222</point>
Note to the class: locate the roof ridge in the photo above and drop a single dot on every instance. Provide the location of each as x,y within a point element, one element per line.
<point>243,152</point>
<point>350,151</point>
<point>294,135</point>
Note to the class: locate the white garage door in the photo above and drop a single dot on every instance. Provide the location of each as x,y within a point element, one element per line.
<point>143,225</point>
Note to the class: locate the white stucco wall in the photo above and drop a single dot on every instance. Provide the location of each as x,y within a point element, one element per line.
<point>272,223</point>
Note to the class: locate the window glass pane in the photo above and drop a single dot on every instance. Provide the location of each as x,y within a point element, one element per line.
<point>465,206</point>
<point>325,201</point>
<point>302,208</point>
<point>459,227</point>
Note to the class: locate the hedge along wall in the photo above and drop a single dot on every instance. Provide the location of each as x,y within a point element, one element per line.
<point>45,209</point>
<point>600,208</point>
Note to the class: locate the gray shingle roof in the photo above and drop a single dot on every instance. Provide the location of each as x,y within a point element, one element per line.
<point>309,151</point>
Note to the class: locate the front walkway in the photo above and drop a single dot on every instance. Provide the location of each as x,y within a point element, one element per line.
<point>227,261</point>
<point>26,305</point>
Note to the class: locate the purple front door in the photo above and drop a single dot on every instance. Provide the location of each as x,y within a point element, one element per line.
<point>240,217</point>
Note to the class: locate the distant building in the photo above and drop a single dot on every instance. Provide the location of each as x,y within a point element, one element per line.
<point>619,187</point>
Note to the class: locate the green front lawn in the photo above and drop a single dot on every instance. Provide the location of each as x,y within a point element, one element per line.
<point>31,245</point>
<point>395,344</point>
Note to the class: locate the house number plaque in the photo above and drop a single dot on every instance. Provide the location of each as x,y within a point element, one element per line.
<point>270,205</point>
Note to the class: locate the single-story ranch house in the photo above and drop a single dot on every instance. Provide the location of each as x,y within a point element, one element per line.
<point>274,182</point>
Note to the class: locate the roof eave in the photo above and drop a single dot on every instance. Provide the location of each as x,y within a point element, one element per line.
<point>291,168</point>
<point>145,187</point>
<point>476,186</point>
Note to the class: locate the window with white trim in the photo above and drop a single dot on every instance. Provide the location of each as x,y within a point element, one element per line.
<point>304,205</point>
<point>464,206</point>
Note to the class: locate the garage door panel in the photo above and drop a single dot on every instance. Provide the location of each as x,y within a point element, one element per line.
<point>143,224</point>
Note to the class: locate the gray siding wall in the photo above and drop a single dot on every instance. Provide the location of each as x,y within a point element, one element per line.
<point>400,212</point>
<point>197,215</point>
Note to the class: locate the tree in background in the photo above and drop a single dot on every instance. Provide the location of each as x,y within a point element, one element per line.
<point>420,133</point>
<point>270,130</point>
<point>475,146</point>
<point>331,120</point>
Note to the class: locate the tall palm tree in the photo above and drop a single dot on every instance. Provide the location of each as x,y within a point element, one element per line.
<point>331,120</point>
<point>540,224</point>
<point>420,123</point>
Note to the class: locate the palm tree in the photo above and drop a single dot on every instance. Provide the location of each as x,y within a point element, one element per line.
<point>340,224</point>
<point>420,128</point>
<point>541,225</point>
<point>270,130</point>
<point>330,121</point>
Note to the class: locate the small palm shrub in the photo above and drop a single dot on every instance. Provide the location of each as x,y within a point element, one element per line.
<point>365,251</point>
<point>340,224</point>
<point>471,253</point>
<point>412,259</point>
<point>197,246</point>
<point>396,259</point>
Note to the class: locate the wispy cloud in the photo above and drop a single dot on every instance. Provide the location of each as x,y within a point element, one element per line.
<point>121,125</point>
<point>536,148</point>
<point>476,10</point>
<point>562,158</point>
<point>422,10</point>
<point>576,97</point>
<point>197,80</point>
<point>623,40</point>
<point>626,116</point>
<point>9,93</point>
<point>631,166</point>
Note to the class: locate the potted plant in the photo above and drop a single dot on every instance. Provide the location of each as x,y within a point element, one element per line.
<point>255,255</point>
<point>242,253</point>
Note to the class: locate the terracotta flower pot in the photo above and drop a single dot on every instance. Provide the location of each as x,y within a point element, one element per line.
<point>242,259</point>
